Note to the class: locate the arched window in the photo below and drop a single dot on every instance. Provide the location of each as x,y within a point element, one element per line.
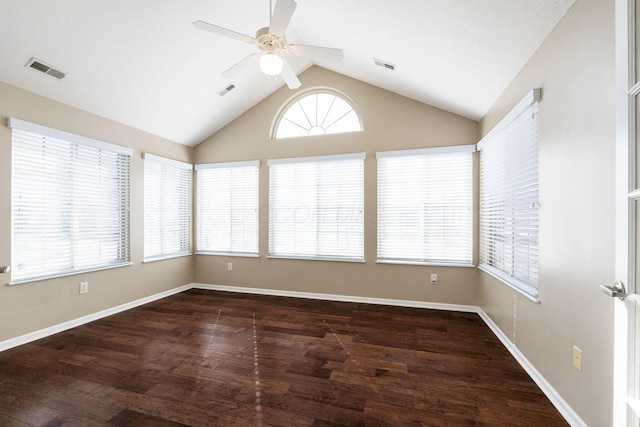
<point>318,112</point>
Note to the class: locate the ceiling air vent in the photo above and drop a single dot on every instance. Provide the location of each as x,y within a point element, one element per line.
<point>36,64</point>
<point>227,89</point>
<point>383,64</point>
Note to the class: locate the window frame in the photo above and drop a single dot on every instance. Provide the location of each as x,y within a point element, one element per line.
<point>80,149</point>
<point>254,166</point>
<point>174,177</point>
<point>291,102</point>
<point>318,162</point>
<point>460,203</point>
<point>529,286</point>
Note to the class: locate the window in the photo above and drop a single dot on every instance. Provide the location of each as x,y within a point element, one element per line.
<point>425,200</point>
<point>70,203</point>
<point>317,113</point>
<point>167,208</point>
<point>227,208</point>
<point>316,207</point>
<point>509,198</point>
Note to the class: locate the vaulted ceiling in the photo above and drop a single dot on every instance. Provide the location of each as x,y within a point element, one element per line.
<point>142,62</point>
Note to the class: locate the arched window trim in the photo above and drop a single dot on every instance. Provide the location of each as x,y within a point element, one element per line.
<point>310,91</point>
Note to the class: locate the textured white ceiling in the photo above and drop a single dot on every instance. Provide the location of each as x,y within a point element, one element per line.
<point>142,63</point>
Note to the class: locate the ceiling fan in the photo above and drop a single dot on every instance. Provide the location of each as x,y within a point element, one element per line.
<point>273,46</point>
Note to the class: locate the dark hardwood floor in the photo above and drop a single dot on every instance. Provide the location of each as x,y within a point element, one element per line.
<point>204,358</point>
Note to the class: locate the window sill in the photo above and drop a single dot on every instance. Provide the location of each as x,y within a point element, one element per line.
<point>359,261</point>
<point>71,273</point>
<point>426,263</point>
<point>509,281</point>
<point>165,257</point>
<point>236,254</point>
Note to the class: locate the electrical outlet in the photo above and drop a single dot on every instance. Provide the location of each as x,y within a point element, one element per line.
<point>84,287</point>
<point>434,278</point>
<point>230,266</point>
<point>577,358</point>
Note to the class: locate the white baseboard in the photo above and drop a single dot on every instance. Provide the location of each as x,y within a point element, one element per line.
<point>343,298</point>
<point>42,333</point>
<point>561,405</point>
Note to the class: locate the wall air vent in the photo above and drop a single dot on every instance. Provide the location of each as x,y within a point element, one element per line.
<point>36,64</point>
<point>383,64</point>
<point>227,89</point>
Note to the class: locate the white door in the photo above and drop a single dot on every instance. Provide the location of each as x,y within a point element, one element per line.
<point>627,310</point>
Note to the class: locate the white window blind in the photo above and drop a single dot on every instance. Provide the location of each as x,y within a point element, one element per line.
<point>425,201</point>
<point>227,208</point>
<point>316,207</point>
<point>167,208</point>
<point>509,198</point>
<point>70,203</point>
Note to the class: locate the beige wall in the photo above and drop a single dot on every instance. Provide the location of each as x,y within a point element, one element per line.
<point>390,122</point>
<point>575,68</point>
<point>32,306</point>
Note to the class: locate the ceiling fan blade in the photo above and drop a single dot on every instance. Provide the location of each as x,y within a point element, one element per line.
<point>289,76</point>
<point>317,52</point>
<point>201,25</point>
<point>282,14</point>
<point>240,66</point>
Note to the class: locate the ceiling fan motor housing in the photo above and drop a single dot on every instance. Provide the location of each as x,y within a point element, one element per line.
<point>270,42</point>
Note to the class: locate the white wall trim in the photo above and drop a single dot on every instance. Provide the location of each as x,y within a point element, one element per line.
<point>561,405</point>
<point>342,298</point>
<point>43,333</point>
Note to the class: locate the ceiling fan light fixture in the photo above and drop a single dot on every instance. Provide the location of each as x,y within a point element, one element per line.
<point>271,64</point>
